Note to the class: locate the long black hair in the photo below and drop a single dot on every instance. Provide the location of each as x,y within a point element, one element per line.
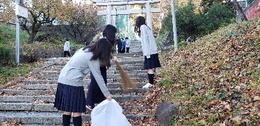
<point>102,51</point>
<point>139,21</point>
<point>110,33</point>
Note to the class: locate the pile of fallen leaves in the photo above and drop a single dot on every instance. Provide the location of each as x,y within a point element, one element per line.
<point>216,80</point>
<point>150,102</point>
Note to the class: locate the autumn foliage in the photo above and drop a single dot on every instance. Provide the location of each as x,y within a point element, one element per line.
<point>216,80</point>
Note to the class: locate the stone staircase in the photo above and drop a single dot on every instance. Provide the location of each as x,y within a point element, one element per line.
<point>30,101</point>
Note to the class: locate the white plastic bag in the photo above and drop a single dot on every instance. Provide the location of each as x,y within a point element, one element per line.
<point>108,113</point>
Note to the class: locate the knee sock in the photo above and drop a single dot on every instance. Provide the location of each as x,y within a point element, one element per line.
<point>66,120</point>
<point>77,121</point>
<point>151,78</point>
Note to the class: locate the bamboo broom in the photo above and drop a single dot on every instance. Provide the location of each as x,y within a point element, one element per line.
<point>126,82</point>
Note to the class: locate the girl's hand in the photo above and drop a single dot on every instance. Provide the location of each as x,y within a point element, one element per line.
<point>109,97</point>
<point>114,59</point>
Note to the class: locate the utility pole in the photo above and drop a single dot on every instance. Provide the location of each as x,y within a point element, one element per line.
<point>174,29</point>
<point>21,11</point>
<point>17,38</point>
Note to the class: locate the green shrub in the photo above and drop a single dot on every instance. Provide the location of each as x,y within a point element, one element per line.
<point>191,23</point>
<point>33,52</point>
<point>6,55</point>
<point>183,43</point>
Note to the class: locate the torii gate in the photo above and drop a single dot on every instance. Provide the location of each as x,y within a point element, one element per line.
<point>109,12</point>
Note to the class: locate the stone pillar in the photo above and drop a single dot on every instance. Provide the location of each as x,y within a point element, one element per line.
<point>114,20</point>
<point>128,21</point>
<point>109,15</point>
<point>148,15</point>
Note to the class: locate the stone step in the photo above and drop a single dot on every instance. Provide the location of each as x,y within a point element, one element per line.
<point>116,76</point>
<point>47,107</point>
<point>57,72</point>
<point>129,71</point>
<point>38,81</point>
<point>34,117</point>
<point>49,91</point>
<point>133,52</point>
<point>86,81</point>
<point>112,69</point>
<point>122,60</point>
<point>50,98</point>
<point>48,86</point>
<point>48,118</point>
<point>132,55</point>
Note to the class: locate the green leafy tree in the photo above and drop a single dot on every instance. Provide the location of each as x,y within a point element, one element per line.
<point>206,5</point>
<point>189,22</point>
<point>186,21</point>
<point>218,15</point>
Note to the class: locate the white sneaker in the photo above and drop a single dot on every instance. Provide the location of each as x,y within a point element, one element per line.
<point>147,86</point>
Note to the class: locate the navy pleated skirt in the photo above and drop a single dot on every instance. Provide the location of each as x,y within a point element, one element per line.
<point>152,62</point>
<point>70,98</point>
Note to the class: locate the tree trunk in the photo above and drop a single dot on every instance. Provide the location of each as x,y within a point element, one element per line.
<point>240,11</point>
<point>32,37</point>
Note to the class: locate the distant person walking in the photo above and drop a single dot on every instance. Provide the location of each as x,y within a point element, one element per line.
<point>123,46</point>
<point>128,44</point>
<point>149,49</point>
<point>118,45</point>
<point>66,48</point>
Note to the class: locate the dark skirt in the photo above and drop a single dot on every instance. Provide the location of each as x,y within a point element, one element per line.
<point>152,62</point>
<point>70,98</point>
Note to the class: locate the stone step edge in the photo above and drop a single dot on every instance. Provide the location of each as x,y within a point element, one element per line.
<point>47,107</point>
<point>50,117</point>
<point>54,85</point>
<point>51,91</point>
<point>50,98</point>
<point>55,80</point>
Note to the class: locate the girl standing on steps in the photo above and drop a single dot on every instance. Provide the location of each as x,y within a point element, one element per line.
<point>94,95</point>
<point>149,49</point>
<point>70,95</point>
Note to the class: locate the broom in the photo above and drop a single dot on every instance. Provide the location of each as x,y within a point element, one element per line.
<point>127,83</point>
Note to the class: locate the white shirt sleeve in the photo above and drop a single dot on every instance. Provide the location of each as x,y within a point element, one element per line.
<point>69,45</point>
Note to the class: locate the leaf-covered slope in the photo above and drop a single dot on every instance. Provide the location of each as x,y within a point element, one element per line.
<point>216,80</point>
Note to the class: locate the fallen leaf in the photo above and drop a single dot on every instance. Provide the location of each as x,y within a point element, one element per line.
<point>256,98</point>
<point>237,119</point>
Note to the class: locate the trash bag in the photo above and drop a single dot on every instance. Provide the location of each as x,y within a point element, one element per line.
<point>108,113</point>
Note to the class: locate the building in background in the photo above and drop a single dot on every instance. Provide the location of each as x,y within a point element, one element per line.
<point>253,10</point>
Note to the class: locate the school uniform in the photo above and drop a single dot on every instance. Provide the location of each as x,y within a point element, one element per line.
<point>70,96</point>
<point>94,94</point>
<point>128,44</point>
<point>66,49</point>
<point>149,48</point>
